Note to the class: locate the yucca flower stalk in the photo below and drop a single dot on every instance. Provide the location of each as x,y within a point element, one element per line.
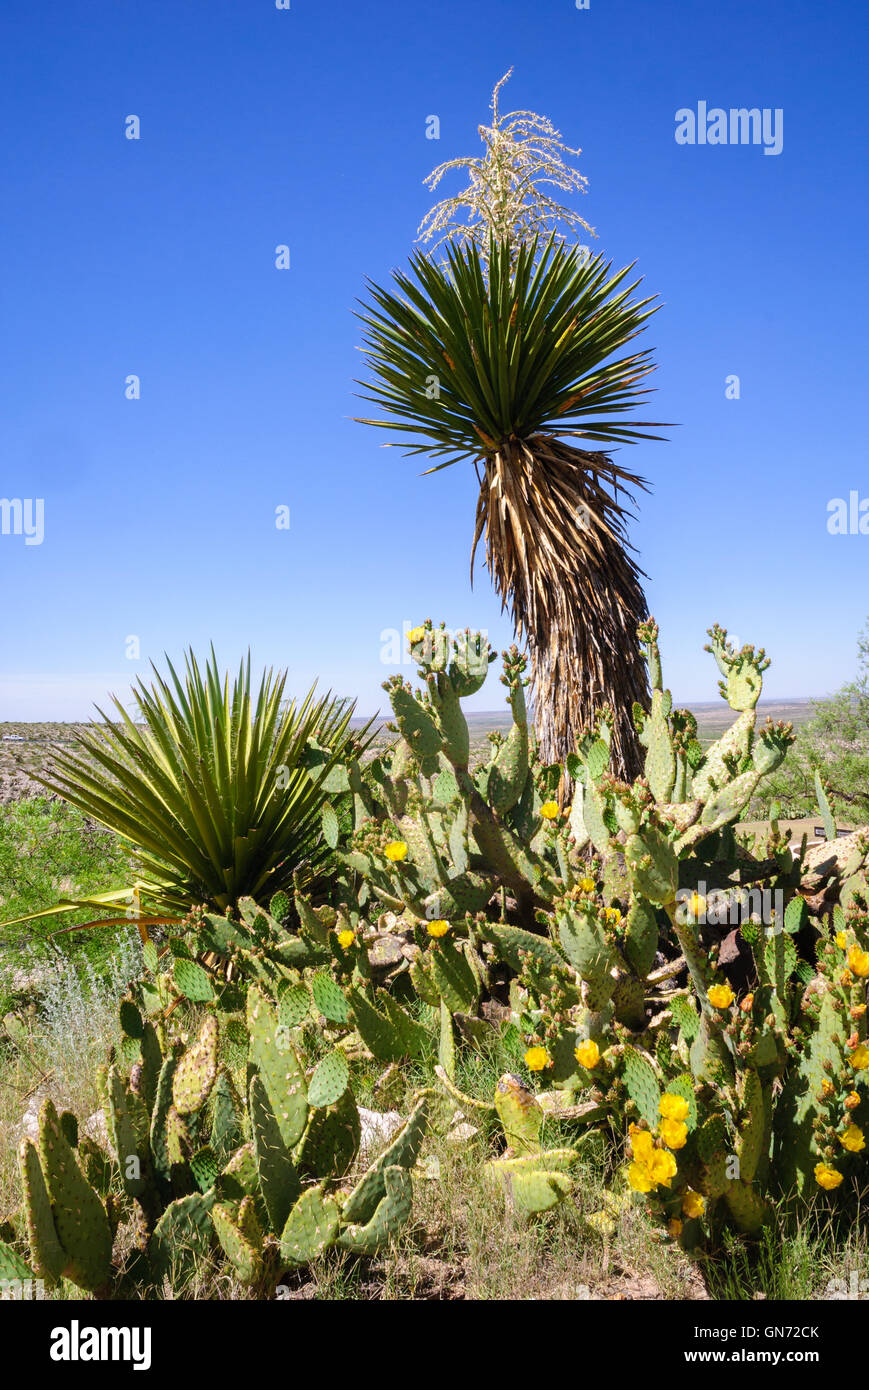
<point>215,788</point>
<point>505,358</point>
<point>507,195</point>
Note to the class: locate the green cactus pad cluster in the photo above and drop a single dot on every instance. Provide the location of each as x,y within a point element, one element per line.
<point>614,978</point>
<point>195,1186</point>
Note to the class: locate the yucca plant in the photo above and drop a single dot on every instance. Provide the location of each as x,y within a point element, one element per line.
<point>502,358</point>
<point>217,789</point>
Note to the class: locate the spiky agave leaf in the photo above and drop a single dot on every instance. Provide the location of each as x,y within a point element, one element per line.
<point>493,364</point>
<point>211,786</point>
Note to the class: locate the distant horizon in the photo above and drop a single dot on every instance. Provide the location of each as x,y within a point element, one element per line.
<point>473,716</point>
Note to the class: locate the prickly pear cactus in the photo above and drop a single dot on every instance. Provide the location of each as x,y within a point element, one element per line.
<point>242,1157</point>
<point>607,915</point>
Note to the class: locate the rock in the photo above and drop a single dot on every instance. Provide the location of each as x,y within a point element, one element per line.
<point>28,1127</point>
<point>461,1134</point>
<point>95,1128</point>
<point>378,1127</point>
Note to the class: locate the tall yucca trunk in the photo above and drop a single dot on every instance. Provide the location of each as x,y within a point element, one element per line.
<point>557,552</point>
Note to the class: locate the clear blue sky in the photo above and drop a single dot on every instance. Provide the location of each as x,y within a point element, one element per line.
<point>307,127</point>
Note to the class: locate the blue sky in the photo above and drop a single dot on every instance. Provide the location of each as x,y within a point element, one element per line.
<point>307,127</point>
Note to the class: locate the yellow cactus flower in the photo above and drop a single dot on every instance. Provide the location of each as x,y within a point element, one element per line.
<point>674,1133</point>
<point>395,851</point>
<point>613,915</point>
<point>860,1058</point>
<point>696,905</point>
<point>415,635</point>
<point>587,1054</point>
<point>852,1100</point>
<point>346,938</point>
<point>640,1178</point>
<point>440,927</point>
<point>642,1143</point>
<point>693,1204</point>
<point>674,1226</point>
<point>537,1059</point>
<point>827,1177</point>
<point>852,1139</point>
<point>587,884</point>
<point>841,940</point>
<point>673,1107</point>
<point>549,810</point>
<point>651,1167</point>
<point>662,1167</point>
<point>858,961</point>
<point>720,996</point>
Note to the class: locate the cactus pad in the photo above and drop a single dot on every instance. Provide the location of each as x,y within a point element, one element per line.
<point>196,1072</point>
<point>310,1227</point>
<point>329,1080</point>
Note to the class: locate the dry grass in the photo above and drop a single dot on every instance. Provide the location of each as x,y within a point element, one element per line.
<point>53,1048</point>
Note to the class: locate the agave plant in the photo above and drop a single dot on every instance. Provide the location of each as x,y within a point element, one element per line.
<point>216,789</point>
<point>502,359</point>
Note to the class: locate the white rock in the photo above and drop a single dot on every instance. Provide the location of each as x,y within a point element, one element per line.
<point>28,1126</point>
<point>95,1128</point>
<point>378,1127</point>
<point>461,1134</point>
